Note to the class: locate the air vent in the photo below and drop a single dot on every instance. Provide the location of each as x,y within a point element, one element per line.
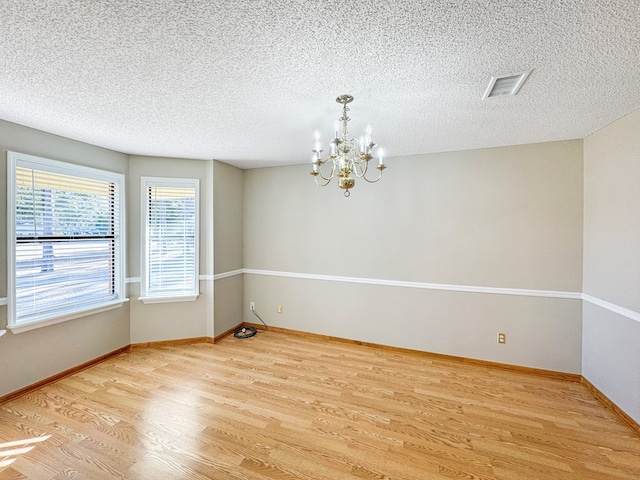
<point>502,85</point>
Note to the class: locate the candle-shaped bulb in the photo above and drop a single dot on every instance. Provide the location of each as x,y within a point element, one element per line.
<point>316,135</point>
<point>361,144</point>
<point>318,146</point>
<point>369,130</point>
<point>380,156</point>
<point>336,127</point>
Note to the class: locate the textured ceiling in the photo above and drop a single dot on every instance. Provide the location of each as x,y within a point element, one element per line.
<point>248,82</point>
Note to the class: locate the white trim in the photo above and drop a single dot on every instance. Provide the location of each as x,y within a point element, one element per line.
<point>200,277</point>
<point>2,332</point>
<point>169,299</point>
<point>25,327</point>
<point>612,307</point>
<point>232,273</point>
<point>166,182</point>
<point>428,286</point>
<point>15,160</point>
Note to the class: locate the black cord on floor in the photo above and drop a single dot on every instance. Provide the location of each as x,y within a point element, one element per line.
<point>248,332</point>
<point>244,332</point>
<point>256,314</point>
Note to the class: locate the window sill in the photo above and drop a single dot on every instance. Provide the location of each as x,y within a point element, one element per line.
<point>169,299</point>
<point>52,320</point>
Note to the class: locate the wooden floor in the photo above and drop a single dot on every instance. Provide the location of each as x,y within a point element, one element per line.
<point>283,406</point>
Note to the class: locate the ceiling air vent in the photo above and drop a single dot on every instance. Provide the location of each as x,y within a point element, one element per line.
<point>502,85</point>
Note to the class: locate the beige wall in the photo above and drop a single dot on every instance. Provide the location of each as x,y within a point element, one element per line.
<point>168,321</point>
<point>228,188</point>
<point>612,213</point>
<point>228,201</point>
<point>40,353</point>
<point>611,349</point>
<point>37,354</point>
<point>503,217</point>
<point>541,332</point>
<point>228,303</point>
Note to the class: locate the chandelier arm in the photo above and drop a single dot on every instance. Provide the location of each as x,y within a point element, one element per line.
<point>363,170</point>
<point>321,184</point>
<point>331,174</point>
<point>373,181</point>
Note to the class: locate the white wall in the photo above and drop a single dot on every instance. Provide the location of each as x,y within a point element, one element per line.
<point>500,218</point>
<point>611,348</point>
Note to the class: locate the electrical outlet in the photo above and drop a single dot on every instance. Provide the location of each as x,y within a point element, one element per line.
<point>279,309</point>
<point>502,338</point>
<point>252,305</point>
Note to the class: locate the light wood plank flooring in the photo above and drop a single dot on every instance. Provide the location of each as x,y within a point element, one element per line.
<point>280,406</point>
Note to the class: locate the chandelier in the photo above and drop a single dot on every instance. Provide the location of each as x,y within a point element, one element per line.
<point>348,158</point>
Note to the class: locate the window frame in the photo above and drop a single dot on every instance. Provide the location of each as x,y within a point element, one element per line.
<point>170,182</point>
<point>16,160</point>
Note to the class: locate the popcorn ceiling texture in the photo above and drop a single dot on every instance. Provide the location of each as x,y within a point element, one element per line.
<point>248,82</point>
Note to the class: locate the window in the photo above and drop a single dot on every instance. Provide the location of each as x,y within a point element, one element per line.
<point>170,247</point>
<point>65,241</point>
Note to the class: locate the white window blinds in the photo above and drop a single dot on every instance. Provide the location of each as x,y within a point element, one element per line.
<point>66,238</point>
<point>171,237</point>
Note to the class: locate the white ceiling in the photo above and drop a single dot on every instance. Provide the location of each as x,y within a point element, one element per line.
<point>248,82</point>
